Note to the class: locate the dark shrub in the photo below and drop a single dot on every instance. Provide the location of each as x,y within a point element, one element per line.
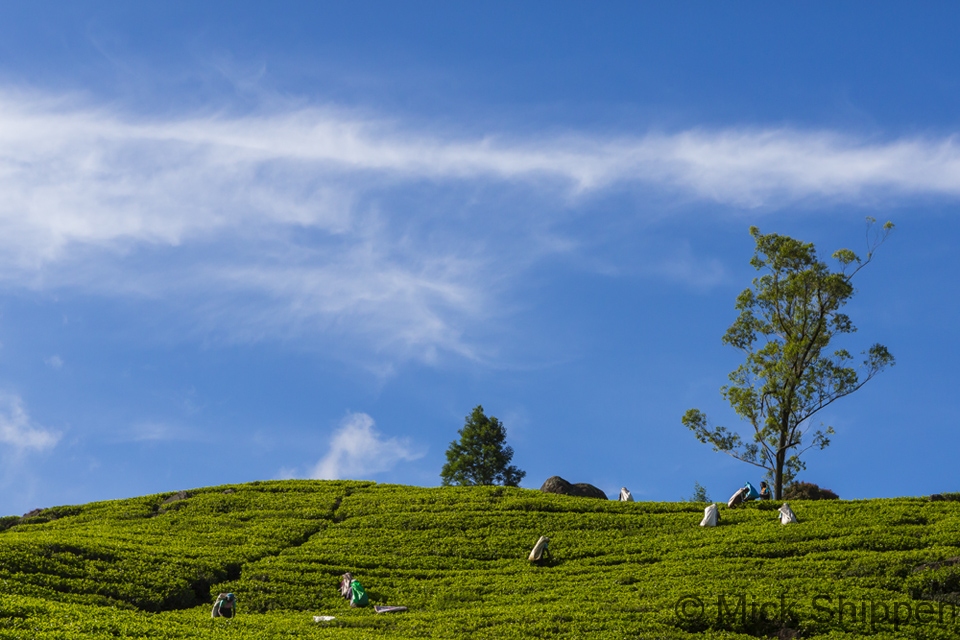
<point>807,491</point>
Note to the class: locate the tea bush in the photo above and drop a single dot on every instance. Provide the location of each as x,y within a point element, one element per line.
<point>456,557</point>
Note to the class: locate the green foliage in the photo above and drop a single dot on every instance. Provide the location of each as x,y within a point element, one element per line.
<point>699,493</point>
<point>936,581</point>
<point>456,556</point>
<point>8,521</point>
<point>787,322</point>
<point>481,456</point>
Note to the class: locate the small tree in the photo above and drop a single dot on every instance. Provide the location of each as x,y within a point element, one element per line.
<point>699,493</point>
<point>786,323</point>
<point>481,456</point>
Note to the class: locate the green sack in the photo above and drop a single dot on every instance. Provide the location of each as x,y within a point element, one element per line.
<point>358,595</point>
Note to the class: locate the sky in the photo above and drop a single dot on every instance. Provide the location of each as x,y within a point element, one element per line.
<point>242,241</point>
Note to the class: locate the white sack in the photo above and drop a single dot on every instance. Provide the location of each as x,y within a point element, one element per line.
<point>710,516</point>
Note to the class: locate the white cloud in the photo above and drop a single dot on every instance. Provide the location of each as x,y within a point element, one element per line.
<point>758,167</point>
<point>316,221</point>
<point>75,176</point>
<point>91,176</point>
<point>18,431</point>
<point>54,362</point>
<point>358,450</point>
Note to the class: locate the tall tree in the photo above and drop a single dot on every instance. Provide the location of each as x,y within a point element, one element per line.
<point>481,456</point>
<point>786,324</point>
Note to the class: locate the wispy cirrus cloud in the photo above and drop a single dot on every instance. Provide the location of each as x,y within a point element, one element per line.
<point>357,450</point>
<point>314,220</point>
<point>92,176</point>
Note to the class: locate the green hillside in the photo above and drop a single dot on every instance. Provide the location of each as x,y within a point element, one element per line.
<point>147,567</point>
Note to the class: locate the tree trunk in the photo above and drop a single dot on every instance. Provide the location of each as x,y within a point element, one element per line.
<point>778,474</point>
<point>784,420</point>
<point>778,477</point>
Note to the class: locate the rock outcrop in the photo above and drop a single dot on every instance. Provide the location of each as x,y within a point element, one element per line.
<point>556,484</point>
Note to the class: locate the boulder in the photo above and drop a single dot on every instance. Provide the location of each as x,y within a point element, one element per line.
<point>556,484</point>
<point>179,495</point>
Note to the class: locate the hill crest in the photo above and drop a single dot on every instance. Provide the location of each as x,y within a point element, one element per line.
<point>456,557</point>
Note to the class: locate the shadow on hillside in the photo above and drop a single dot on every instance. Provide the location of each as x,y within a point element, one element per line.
<point>547,563</point>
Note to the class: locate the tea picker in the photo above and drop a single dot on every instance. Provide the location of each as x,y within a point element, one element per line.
<point>540,552</point>
<point>353,591</point>
<point>225,606</point>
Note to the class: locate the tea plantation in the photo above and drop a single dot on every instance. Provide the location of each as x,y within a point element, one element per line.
<point>456,557</point>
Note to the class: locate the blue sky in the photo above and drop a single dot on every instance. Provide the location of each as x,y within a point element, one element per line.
<point>242,242</point>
